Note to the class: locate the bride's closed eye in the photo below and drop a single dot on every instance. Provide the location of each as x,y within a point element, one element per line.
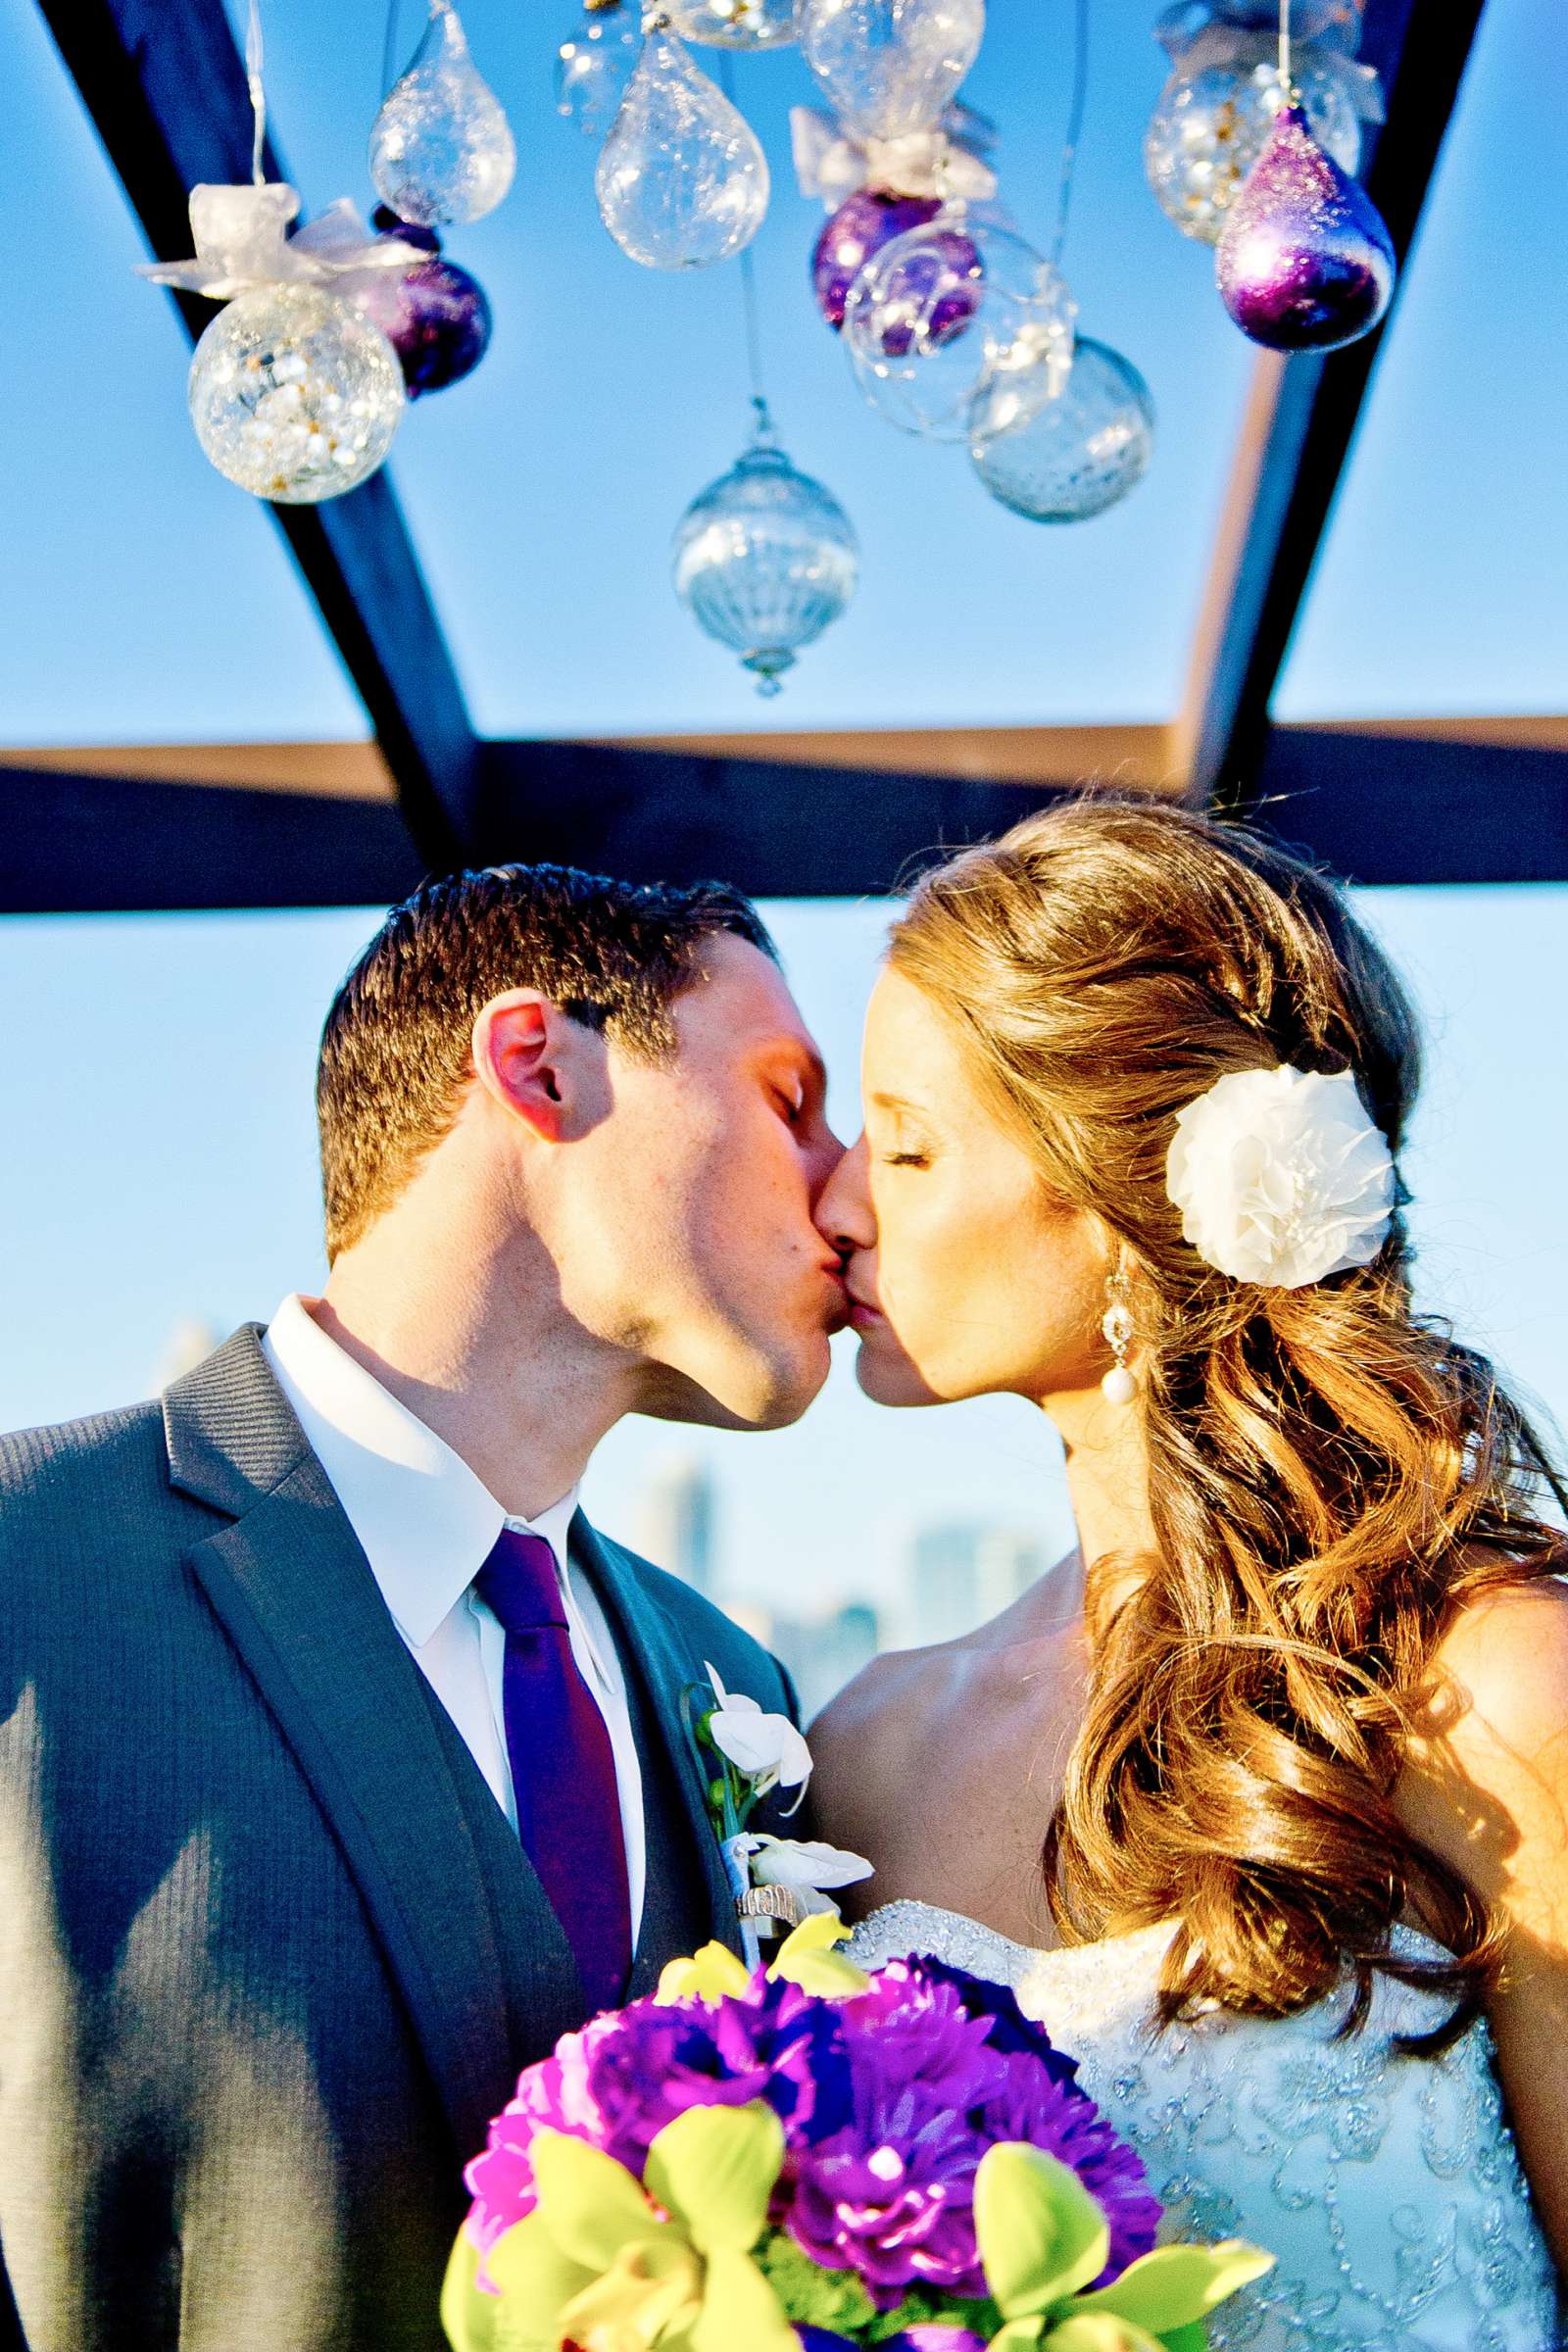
<point>903,1160</point>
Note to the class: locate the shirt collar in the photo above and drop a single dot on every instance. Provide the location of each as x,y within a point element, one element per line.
<point>426,1522</point>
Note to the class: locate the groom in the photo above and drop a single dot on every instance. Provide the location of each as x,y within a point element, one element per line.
<point>342,1763</point>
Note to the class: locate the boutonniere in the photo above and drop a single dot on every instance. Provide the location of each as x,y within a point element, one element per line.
<point>746,1753</point>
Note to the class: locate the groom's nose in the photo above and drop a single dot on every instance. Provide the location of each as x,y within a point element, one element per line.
<point>842,1213</point>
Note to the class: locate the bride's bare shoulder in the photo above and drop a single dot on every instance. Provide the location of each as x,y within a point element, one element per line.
<point>868,1741</point>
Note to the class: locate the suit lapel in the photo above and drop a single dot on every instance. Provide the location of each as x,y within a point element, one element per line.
<point>296,1596</point>
<point>657,1656</point>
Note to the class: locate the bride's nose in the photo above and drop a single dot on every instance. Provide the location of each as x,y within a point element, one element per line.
<point>844,1215</point>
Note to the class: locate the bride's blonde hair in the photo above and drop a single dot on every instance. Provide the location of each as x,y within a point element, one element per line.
<point>1331,1476</point>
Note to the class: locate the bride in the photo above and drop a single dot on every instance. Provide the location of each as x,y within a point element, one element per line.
<point>1260,1798</point>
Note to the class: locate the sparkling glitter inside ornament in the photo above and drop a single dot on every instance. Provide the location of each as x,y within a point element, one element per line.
<point>294,395</point>
<point>593,66</point>
<point>763,559</point>
<point>943,309</point>
<point>435,315</point>
<point>1306,262</point>
<point>887,68</point>
<point>734,23</point>
<point>1210,126</point>
<point>1066,459</point>
<point>682,180</point>
<point>862,225</point>
<point>441,147</point>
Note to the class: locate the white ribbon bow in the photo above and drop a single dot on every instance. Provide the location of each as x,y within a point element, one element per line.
<point>831,163</point>
<point>241,241</point>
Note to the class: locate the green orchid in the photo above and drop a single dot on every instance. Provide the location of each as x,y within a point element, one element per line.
<point>1043,2237</point>
<point>805,1958</point>
<point>602,2264</point>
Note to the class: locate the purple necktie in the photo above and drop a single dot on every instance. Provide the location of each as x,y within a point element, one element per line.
<point>562,1765</point>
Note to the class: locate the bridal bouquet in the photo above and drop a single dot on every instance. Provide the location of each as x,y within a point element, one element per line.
<point>807,2158</point>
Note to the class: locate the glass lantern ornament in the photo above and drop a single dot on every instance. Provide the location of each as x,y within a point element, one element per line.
<point>944,309</point>
<point>1214,115</point>
<point>1071,455</point>
<point>734,23</point>
<point>765,558</point>
<point>682,180</point>
<point>436,315</point>
<point>594,63</point>
<point>441,147</point>
<point>862,225</point>
<point>295,394</point>
<point>1306,262</point>
<point>887,68</point>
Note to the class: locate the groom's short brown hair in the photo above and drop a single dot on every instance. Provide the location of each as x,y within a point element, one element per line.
<point>396,1050</point>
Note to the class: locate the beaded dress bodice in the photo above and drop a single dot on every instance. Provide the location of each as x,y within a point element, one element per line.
<point>1387,2187</point>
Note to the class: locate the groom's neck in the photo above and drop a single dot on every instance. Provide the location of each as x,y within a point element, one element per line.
<point>480,1347</point>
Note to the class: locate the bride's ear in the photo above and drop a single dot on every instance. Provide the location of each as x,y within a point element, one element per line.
<point>539,1066</point>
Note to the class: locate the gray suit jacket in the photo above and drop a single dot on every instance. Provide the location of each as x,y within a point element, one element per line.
<point>270,1956</point>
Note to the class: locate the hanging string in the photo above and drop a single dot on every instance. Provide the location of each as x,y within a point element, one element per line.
<point>1285,48</point>
<point>389,47</point>
<point>750,307</point>
<point>253,82</point>
<point>1075,127</point>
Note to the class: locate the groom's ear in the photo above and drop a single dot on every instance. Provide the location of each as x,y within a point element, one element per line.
<point>540,1065</point>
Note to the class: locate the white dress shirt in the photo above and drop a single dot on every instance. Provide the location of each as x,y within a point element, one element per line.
<point>427,1524</point>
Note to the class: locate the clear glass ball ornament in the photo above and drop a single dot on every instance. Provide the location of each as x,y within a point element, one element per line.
<point>939,312</point>
<point>763,559</point>
<point>441,147</point>
<point>1066,458</point>
<point>593,66</point>
<point>889,67</point>
<point>295,394</point>
<point>734,23</point>
<point>682,180</point>
<point>1209,129</point>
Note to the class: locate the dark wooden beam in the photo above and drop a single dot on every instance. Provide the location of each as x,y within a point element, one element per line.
<point>1301,424</point>
<point>99,845</point>
<point>165,86</point>
<point>1382,807</point>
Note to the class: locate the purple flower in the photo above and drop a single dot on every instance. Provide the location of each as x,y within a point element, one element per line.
<point>1010,2030</point>
<point>1064,2121</point>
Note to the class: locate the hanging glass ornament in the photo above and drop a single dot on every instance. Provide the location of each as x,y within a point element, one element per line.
<point>1306,262</point>
<point>441,147</point>
<point>765,558</point>
<point>1066,458</point>
<point>594,63</point>
<point>1214,115</point>
<point>734,23</point>
<point>682,180</point>
<point>862,225</point>
<point>887,68</point>
<point>942,310</point>
<point>294,394</point>
<point>435,315</point>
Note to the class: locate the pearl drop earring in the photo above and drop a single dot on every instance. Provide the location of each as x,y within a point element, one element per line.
<point>1119,1384</point>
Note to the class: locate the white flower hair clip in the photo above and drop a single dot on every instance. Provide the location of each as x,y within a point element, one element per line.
<point>1281,1176</point>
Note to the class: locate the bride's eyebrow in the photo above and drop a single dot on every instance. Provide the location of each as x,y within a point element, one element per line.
<point>893,1102</point>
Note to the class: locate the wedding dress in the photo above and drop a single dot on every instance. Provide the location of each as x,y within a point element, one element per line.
<point>1388,2188</point>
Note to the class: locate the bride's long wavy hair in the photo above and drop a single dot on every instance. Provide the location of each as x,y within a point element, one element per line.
<point>1332,1476</point>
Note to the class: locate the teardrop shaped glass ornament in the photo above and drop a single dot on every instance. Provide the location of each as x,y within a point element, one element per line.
<point>939,312</point>
<point>1065,459</point>
<point>594,63</point>
<point>441,147</point>
<point>294,394</point>
<point>889,67</point>
<point>1210,124</point>
<point>682,180</point>
<point>763,559</point>
<point>1304,262</point>
<point>734,23</point>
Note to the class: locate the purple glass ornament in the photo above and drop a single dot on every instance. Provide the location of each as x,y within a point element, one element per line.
<point>435,315</point>
<point>862,225</point>
<point>1304,262</point>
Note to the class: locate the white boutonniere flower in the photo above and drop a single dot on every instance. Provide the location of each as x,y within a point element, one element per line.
<point>777,1880</point>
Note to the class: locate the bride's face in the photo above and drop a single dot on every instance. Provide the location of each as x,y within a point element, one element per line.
<point>968,1277</point>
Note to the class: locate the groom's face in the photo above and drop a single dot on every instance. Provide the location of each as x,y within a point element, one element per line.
<point>685,1236</point>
